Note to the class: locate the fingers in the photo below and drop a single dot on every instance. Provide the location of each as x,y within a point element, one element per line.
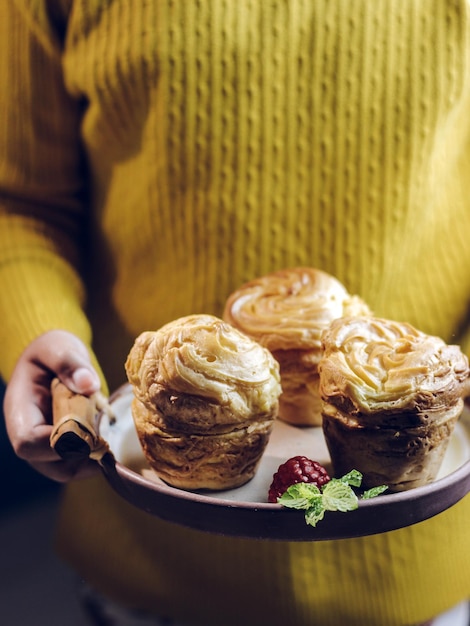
<point>33,446</point>
<point>67,357</point>
<point>30,439</point>
<point>27,403</point>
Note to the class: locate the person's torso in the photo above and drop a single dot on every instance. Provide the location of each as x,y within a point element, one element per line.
<point>228,139</point>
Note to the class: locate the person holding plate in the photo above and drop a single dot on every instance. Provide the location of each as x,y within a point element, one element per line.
<point>156,155</point>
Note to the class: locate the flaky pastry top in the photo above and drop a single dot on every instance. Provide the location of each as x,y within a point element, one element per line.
<point>289,309</point>
<point>204,356</point>
<point>381,365</point>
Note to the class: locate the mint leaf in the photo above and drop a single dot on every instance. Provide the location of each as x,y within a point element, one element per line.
<point>300,496</point>
<point>338,496</point>
<point>375,491</point>
<point>305,496</point>
<point>315,513</point>
<point>353,478</point>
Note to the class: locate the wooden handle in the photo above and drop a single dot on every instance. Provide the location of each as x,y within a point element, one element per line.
<point>74,436</point>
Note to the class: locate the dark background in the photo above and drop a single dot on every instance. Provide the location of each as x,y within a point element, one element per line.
<point>19,483</point>
<point>36,587</point>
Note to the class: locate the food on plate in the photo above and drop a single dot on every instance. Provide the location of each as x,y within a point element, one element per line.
<point>301,483</point>
<point>297,469</point>
<point>392,396</point>
<point>206,396</point>
<point>287,311</point>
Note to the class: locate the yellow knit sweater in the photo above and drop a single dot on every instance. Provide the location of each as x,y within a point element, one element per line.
<point>155,154</point>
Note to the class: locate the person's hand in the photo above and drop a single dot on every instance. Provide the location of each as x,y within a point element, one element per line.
<point>28,404</point>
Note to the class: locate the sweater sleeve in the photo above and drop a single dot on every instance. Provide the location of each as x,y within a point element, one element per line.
<point>42,183</point>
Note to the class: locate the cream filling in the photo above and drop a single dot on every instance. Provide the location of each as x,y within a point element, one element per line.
<point>384,365</point>
<point>291,308</point>
<point>204,356</point>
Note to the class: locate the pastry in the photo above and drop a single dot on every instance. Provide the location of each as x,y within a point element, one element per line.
<point>287,311</point>
<point>205,398</point>
<point>392,396</point>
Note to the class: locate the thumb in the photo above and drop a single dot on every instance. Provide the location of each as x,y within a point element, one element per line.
<point>83,380</point>
<point>69,359</point>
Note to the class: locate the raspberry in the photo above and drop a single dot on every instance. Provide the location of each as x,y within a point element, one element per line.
<point>298,469</point>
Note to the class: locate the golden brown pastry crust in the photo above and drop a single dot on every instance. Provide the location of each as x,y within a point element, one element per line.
<point>206,397</point>
<point>400,457</point>
<point>287,311</point>
<point>392,396</point>
<point>201,461</point>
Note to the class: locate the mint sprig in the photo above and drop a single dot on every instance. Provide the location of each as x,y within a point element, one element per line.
<point>375,491</point>
<point>336,495</point>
